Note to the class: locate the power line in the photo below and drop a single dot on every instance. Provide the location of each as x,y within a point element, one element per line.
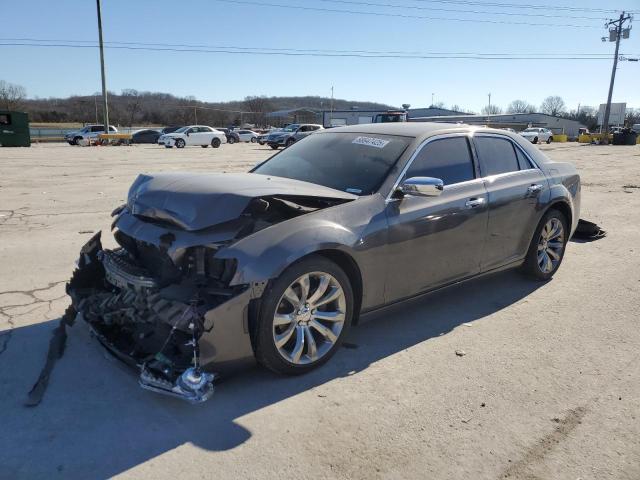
<point>526,6</point>
<point>476,56</point>
<point>401,15</point>
<point>267,49</point>
<point>476,12</point>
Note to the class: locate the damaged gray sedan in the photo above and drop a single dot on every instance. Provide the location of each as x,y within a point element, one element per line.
<point>214,271</point>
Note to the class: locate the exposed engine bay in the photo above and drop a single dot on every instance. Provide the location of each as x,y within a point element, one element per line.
<point>153,304</point>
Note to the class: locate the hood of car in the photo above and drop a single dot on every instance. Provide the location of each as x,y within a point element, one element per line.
<point>193,201</point>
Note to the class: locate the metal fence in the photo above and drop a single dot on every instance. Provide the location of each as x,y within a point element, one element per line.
<point>59,133</point>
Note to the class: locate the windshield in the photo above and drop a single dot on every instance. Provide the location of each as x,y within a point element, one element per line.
<point>351,162</point>
<point>290,128</point>
<point>182,130</point>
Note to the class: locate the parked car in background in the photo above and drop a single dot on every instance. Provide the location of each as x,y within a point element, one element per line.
<point>247,136</point>
<point>291,134</point>
<point>170,129</point>
<point>232,135</point>
<point>262,138</point>
<point>193,135</point>
<point>90,132</point>
<point>145,136</point>
<point>538,135</point>
<point>281,261</point>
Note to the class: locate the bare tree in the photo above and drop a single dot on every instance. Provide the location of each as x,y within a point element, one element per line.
<point>258,106</point>
<point>133,104</point>
<point>491,110</point>
<point>553,105</point>
<point>11,95</point>
<point>520,106</point>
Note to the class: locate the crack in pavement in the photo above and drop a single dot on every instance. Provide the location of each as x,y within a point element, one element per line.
<point>18,218</point>
<point>7,312</point>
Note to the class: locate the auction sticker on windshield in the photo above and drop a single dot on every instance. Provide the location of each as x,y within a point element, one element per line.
<point>371,142</point>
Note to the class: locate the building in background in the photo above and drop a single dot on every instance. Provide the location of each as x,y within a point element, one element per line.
<point>281,118</point>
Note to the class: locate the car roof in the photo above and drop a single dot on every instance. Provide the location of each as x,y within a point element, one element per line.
<point>407,129</point>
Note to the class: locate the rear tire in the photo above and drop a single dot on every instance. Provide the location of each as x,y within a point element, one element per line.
<point>317,338</point>
<point>204,146</point>
<point>547,246</point>
<point>275,147</point>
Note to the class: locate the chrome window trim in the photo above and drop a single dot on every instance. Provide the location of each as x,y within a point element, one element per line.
<point>419,149</point>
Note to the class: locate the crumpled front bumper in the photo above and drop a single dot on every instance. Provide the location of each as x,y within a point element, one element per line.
<point>175,344</point>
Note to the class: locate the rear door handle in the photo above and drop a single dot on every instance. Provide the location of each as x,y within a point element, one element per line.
<point>534,188</point>
<point>474,202</point>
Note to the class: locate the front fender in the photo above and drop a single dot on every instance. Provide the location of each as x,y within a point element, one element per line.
<point>266,254</point>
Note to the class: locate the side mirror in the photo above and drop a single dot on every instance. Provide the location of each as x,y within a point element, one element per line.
<point>422,186</point>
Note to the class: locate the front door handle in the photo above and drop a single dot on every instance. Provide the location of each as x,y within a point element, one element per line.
<point>474,202</point>
<point>534,188</point>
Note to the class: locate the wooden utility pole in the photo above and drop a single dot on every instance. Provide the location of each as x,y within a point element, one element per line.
<point>618,35</point>
<point>105,108</point>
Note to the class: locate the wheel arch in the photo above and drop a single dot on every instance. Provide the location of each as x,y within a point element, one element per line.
<point>350,267</point>
<point>563,207</point>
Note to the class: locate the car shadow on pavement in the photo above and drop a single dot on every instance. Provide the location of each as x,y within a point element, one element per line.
<point>95,422</point>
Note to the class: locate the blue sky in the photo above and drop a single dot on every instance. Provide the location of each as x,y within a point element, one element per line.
<point>218,77</point>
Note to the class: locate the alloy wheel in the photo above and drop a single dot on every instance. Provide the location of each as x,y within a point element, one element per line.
<point>550,245</point>
<point>309,318</point>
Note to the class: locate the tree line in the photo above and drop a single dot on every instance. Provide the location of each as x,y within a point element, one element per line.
<point>132,107</point>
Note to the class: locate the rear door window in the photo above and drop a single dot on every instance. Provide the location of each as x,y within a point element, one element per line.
<point>5,119</point>
<point>497,155</point>
<point>448,159</point>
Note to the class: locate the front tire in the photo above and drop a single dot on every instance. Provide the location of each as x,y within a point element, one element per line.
<point>304,316</point>
<point>180,143</point>
<point>290,142</point>
<point>535,140</point>
<point>549,140</point>
<point>253,140</point>
<point>215,143</point>
<point>275,147</point>
<point>547,246</point>
<point>231,140</point>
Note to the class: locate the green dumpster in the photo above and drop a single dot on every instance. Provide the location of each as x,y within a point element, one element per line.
<point>14,129</point>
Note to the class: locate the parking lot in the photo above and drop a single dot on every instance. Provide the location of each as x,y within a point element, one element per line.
<point>548,386</point>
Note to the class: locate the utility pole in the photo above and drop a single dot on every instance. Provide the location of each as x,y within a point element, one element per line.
<point>331,108</point>
<point>104,80</point>
<point>489,108</point>
<point>432,95</point>
<point>614,35</point>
